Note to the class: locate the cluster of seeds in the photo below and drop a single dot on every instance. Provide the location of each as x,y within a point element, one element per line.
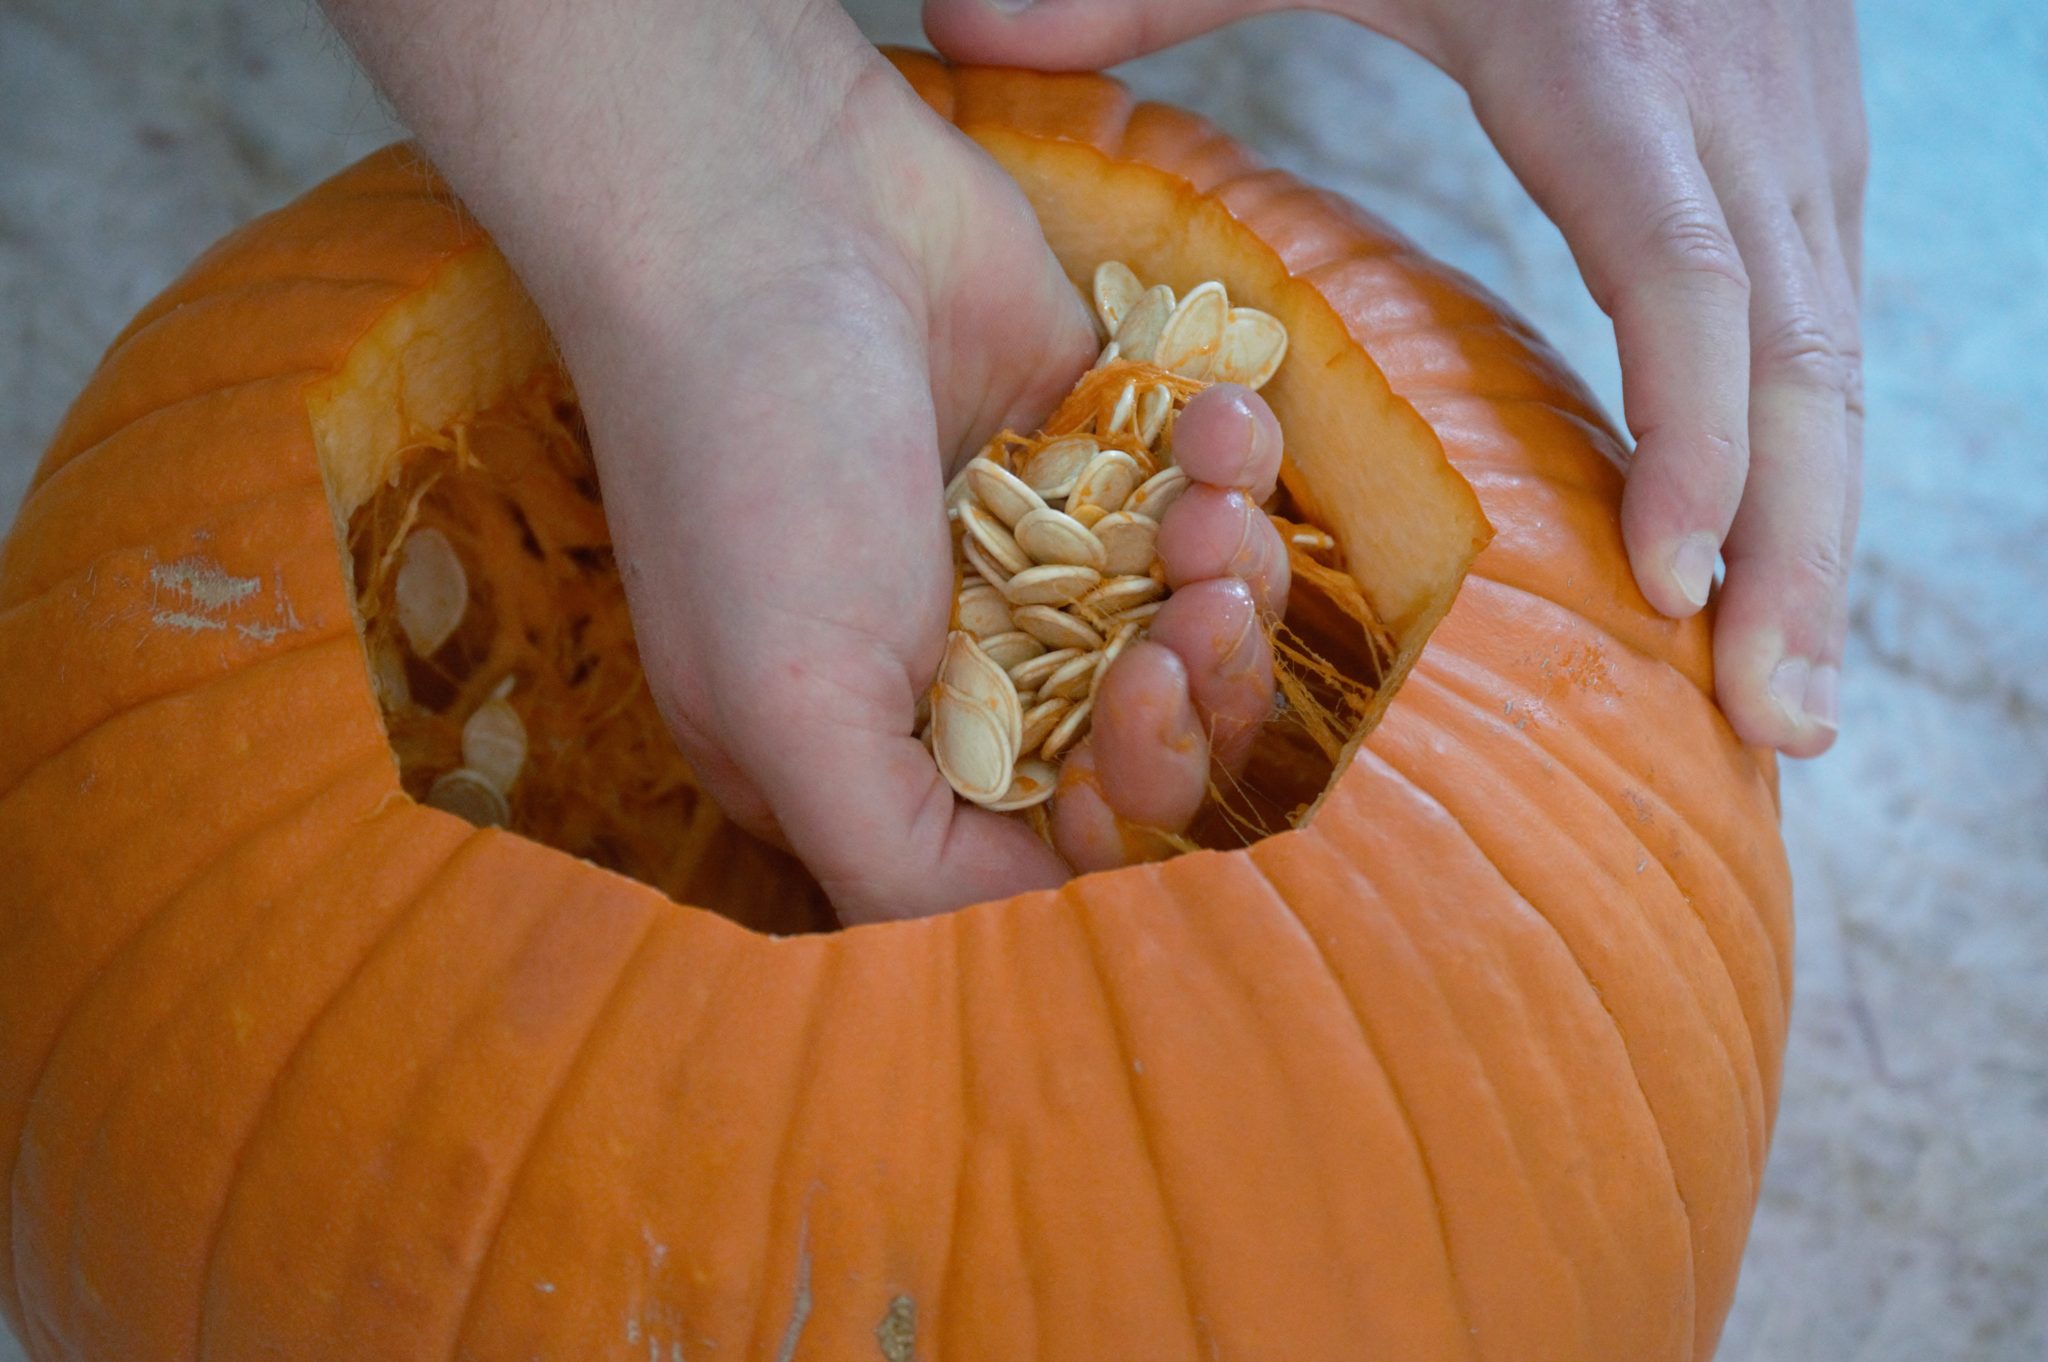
<point>1055,536</point>
<point>431,596</point>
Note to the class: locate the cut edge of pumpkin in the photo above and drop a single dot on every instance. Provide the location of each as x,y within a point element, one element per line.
<point>471,339</point>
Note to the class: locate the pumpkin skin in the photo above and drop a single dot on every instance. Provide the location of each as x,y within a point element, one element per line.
<point>1480,1063</point>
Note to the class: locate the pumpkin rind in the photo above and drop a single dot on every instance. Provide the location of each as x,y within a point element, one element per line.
<point>1479,1064</point>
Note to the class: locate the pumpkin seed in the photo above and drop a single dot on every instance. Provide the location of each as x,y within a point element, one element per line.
<point>1028,676</point>
<point>494,743</point>
<point>1007,650</point>
<point>1057,628</point>
<point>432,591</point>
<point>1002,491</point>
<point>971,746</point>
<point>1189,340</point>
<point>1032,784</point>
<point>991,571</point>
<point>467,794</point>
<point>1109,355</point>
<point>1051,536</point>
<point>1051,470</point>
<point>1129,541</point>
<point>993,537</point>
<point>1040,720</point>
<point>1253,345</point>
<point>976,720</point>
<point>1138,333</point>
<point>982,610</point>
<point>1157,493</point>
<point>969,672</point>
<point>1107,482</point>
<point>1124,416</point>
<point>1137,614</point>
<point>1053,584</point>
<point>1116,290</point>
<point>1154,405</point>
<point>1068,731</point>
<point>1071,681</point>
<point>1119,594</point>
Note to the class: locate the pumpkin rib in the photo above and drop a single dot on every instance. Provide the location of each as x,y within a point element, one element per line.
<point>337,636</point>
<point>1765,1031</point>
<point>1542,1206</point>
<point>60,456</point>
<point>1592,991</point>
<point>1751,1182</point>
<point>34,559</point>
<point>113,1080</point>
<point>773,1320</point>
<point>154,368</point>
<point>70,1016</point>
<point>1374,1047</point>
<point>1543,1212</point>
<point>1070,900</point>
<point>85,968</point>
<point>1603,473</point>
<point>613,1030</point>
<point>1748,1076</point>
<point>469,845</point>
<point>1480,573</point>
<point>513,1178</point>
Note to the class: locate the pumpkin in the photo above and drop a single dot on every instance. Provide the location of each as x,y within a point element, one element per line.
<point>1479,1062</point>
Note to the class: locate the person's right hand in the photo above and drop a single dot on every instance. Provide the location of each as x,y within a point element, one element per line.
<point>793,301</point>
<point>1706,165</point>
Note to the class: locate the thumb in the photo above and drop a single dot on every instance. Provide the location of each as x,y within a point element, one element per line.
<point>1072,35</point>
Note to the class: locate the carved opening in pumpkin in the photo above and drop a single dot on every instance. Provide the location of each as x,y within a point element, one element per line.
<point>540,625</point>
<point>449,415</point>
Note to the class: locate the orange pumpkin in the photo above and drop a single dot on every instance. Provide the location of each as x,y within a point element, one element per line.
<point>1479,1063</point>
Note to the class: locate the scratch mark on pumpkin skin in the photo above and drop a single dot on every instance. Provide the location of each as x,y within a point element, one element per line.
<point>182,619</point>
<point>800,1307</point>
<point>204,582</point>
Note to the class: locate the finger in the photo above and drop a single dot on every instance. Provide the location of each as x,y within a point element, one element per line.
<point>1072,35</point>
<point>1088,833</point>
<point>1227,436</point>
<point>869,813</point>
<point>1216,629</point>
<point>1151,751</point>
<point>1211,533</point>
<point>1618,171</point>
<point>1778,635</point>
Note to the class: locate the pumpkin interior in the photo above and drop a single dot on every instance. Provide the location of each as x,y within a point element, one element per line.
<point>451,414</point>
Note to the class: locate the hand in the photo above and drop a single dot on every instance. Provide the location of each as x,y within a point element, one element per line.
<point>1706,165</point>
<point>792,301</point>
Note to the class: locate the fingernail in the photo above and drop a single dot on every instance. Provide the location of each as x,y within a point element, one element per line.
<point>1788,687</point>
<point>1823,696</point>
<point>1692,567</point>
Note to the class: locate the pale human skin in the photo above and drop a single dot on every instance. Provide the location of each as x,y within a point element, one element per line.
<point>793,300</point>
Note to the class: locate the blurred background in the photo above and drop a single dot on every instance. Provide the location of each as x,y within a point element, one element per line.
<point>1905,1216</point>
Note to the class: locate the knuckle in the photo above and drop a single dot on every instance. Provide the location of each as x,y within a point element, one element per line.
<point>1820,565</point>
<point>1800,346</point>
<point>1690,237</point>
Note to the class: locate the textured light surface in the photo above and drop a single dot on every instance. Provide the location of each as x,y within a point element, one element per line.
<point>1906,1212</point>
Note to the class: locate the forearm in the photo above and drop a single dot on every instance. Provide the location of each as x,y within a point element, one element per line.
<point>605,141</point>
